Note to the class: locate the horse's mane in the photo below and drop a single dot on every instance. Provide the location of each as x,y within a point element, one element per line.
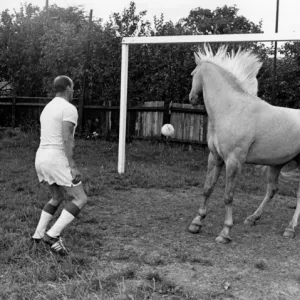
<point>243,65</point>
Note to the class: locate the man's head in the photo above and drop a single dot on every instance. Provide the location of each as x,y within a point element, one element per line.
<point>63,87</point>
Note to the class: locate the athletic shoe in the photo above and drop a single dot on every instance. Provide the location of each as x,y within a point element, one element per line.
<point>56,245</point>
<point>34,245</point>
<point>35,241</point>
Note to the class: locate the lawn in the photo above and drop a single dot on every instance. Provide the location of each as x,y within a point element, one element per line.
<point>131,240</point>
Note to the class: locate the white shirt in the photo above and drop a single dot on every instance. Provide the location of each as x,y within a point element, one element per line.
<point>52,116</point>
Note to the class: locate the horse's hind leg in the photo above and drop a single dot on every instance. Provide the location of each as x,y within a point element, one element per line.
<point>213,171</point>
<point>290,230</point>
<point>272,187</point>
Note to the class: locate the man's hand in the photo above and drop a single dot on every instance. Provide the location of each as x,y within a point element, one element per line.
<point>76,175</point>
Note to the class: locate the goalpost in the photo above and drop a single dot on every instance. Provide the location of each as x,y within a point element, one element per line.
<point>183,39</point>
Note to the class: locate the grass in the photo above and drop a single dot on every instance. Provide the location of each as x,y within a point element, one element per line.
<point>130,242</point>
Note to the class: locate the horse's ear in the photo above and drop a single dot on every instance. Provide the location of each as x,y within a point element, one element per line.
<point>197,58</point>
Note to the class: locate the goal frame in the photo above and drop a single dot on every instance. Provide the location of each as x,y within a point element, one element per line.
<point>182,39</point>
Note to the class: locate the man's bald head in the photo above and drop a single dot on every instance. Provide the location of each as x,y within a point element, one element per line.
<point>61,83</point>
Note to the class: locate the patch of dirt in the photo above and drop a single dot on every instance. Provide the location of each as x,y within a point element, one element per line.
<point>148,227</point>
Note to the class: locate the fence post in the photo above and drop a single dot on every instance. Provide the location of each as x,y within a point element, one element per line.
<point>167,111</point>
<point>109,118</point>
<point>13,111</point>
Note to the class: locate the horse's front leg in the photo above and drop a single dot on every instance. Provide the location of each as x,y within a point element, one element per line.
<point>214,168</point>
<point>233,172</point>
<point>272,187</point>
<point>290,230</point>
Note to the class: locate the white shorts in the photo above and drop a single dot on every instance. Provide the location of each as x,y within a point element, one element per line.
<point>52,166</point>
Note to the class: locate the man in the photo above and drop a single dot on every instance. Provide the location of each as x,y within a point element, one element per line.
<point>55,164</point>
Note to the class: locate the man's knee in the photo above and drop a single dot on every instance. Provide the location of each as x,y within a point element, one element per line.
<point>57,198</point>
<point>80,198</point>
<point>57,195</point>
<point>56,201</point>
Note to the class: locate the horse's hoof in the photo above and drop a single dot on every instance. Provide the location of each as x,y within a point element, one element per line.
<point>249,221</point>
<point>194,228</point>
<point>289,233</point>
<point>223,239</point>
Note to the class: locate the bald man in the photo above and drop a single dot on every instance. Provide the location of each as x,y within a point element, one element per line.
<point>55,165</point>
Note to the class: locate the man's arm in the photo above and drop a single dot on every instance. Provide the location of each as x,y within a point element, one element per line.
<point>68,144</point>
<point>68,141</point>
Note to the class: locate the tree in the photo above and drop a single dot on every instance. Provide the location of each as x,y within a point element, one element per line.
<point>36,46</point>
<point>166,69</point>
<point>20,50</point>
<point>287,84</point>
<point>63,48</point>
<point>106,54</point>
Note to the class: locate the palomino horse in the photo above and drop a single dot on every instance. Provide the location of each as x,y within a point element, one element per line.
<point>242,128</point>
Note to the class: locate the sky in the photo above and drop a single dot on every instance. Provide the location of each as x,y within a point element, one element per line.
<point>253,10</point>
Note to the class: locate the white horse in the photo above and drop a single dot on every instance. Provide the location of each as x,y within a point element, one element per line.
<point>242,128</point>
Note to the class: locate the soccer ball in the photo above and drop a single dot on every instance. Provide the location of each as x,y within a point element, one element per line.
<point>167,130</point>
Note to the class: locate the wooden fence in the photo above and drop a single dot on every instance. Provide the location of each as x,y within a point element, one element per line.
<point>190,123</point>
<point>143,122</point>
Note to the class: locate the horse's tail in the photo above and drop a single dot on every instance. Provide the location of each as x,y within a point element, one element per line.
<point>292,175</point>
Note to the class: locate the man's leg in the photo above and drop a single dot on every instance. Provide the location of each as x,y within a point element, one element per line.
<point>48,211</point>
<point>68,214</point>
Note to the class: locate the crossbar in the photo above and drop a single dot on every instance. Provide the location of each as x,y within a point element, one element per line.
<point>218,38</point>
